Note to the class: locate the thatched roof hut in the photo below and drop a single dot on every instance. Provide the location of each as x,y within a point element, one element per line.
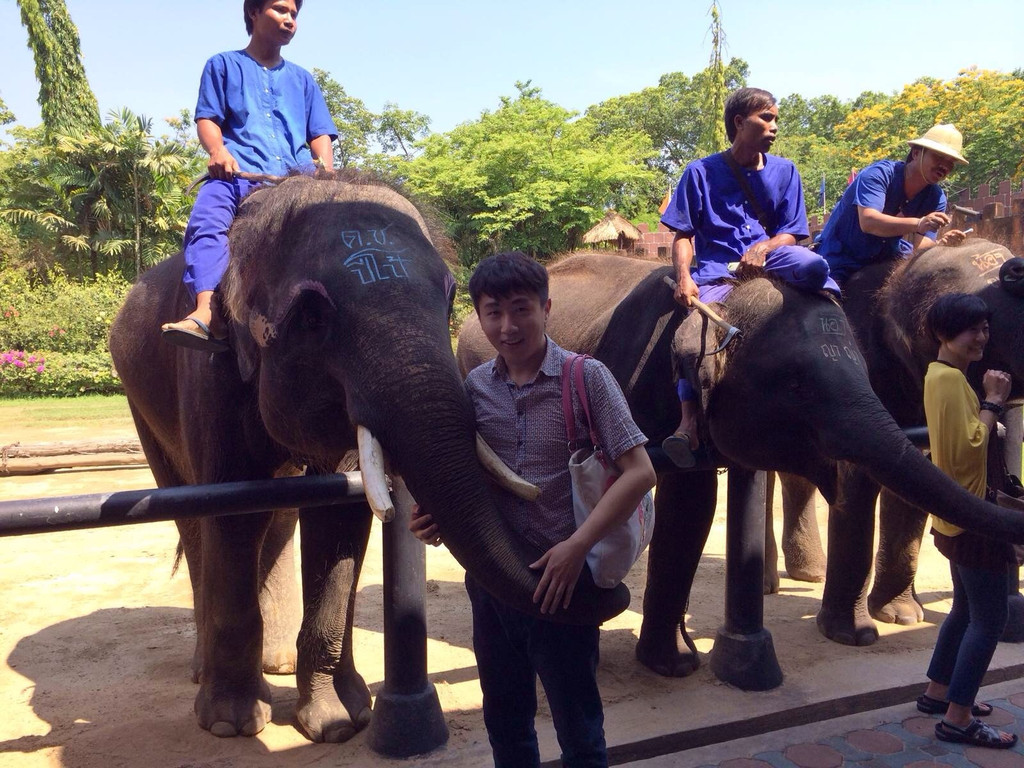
<point>613,228</point>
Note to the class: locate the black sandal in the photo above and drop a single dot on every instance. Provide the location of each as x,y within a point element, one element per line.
<point>200,337</point>
<point>977,734</point>
<point>933,706</point>
<point>677,448</point>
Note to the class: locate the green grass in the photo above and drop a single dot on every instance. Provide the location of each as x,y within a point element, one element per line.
<point>79,410</point>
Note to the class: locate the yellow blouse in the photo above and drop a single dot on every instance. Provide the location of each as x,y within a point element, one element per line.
<point>958,437</point>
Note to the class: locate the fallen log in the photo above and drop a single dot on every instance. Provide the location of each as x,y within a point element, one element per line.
<point>30,459</point>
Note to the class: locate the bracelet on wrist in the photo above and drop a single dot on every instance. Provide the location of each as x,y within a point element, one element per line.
<point>988,405</point>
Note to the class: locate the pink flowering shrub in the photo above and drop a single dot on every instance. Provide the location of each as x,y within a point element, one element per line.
<point>56,374</point>
<point>53,334</point>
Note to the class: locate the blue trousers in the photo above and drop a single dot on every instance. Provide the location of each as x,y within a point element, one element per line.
<point>968,636</point>
<point>800,267</point>
<point>512,649</point>
<point>206,236</point>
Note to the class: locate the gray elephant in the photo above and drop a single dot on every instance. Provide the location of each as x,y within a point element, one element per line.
<point>887,304</point>
<point>338,299</point>
<point>791,395</point>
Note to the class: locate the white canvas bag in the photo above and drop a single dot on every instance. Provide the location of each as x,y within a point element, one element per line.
<point>591,474</point>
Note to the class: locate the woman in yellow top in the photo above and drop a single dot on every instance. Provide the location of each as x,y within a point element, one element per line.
<point>958,429</point>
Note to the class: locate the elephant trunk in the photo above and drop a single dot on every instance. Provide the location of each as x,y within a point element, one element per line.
<point>428,431</point>
<point>884,451</point>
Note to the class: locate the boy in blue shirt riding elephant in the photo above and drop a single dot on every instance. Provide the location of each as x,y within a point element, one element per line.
<point>256,113</point>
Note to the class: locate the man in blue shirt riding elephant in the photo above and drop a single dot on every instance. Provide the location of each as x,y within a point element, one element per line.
<point>256,113</point>
<point>733,209</point>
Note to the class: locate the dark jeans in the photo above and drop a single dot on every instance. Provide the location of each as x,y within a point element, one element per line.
<point>512,650</point>
<point>968,636</point>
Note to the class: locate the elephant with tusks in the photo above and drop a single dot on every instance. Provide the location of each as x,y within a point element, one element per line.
<point>791,394</point>
<point>338,299</point>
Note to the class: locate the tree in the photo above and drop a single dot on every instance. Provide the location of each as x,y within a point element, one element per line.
<point>353,121</point>
<point>670,114</point>
<point>811,117</point>
<point>713,136</point>
<point>397,129</point>
<point>366,139</point>
<point>6,116</point>
<point>986,106</point>
<point>65,98</point>
<point>114,195</point>
<point>530,176</point>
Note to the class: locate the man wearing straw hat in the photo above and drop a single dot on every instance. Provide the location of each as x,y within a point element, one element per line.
<point>894,208</point>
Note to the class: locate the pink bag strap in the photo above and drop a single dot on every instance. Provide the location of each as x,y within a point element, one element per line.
<point>571,371</point>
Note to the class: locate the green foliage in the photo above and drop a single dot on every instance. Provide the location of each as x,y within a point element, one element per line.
<point>107,199</point>
<point>531,177</point>
<point>463,306</point>
<point>56,374</point>
<point>65,98</point>
<point>367,139</point>
<point>671,114</point>
<point>811,117</point>
<point>986,106</point>
<point>57,314</point>
<point>53,334</point>
<point>713,137</point>
<point>352,119</point>
<point>6,116</point>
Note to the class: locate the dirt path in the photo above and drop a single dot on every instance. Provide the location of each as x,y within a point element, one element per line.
<point>96,638</point>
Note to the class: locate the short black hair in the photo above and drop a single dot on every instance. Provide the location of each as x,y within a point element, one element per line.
<point>745,101</point>
<point>255,6</point>
<point>504,274</point>
<point>954,313</point>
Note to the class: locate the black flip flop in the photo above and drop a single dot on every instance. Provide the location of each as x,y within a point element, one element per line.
<point>677,448</point>
<point>931,706</point>
<point>977,734</point>
<point>200,338</point>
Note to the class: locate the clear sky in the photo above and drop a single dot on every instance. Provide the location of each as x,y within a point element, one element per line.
<point>451,59</point>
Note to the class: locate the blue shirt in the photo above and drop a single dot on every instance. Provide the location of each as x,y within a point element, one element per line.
<point>267,115</point>
<point>710,206</point>
<point>845,246</point>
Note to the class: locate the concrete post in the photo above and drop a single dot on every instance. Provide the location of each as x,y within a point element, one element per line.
<point>407,717</point>
<point>744,654</point>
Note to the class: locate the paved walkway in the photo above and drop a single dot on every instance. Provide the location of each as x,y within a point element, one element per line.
<point>895,737</point>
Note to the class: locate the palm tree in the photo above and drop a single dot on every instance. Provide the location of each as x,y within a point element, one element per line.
<point>114,193</point>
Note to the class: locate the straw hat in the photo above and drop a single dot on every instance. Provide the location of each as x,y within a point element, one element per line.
<point>944,139</point>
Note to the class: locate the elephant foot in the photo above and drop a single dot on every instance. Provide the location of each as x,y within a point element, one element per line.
<point>279,660</point>
<point>337,709</point>
<point>847,629</point>
<point>668,654</point>
<point>810,572</point>
<point>902,609</point>
<point>771,579</point>
<point>197,665</point>
<point>227,711</point>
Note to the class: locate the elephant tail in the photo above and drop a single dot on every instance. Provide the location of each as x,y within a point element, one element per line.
<point>179,552</point>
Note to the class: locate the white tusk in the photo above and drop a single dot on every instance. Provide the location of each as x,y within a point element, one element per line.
<point>506,478</point>
<point>371,467</point>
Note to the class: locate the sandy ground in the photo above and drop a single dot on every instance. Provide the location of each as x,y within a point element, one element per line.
<point>96,638</point>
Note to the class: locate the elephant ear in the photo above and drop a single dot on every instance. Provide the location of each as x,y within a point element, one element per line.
<point>247,352</point>
<point>1011,276</point>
